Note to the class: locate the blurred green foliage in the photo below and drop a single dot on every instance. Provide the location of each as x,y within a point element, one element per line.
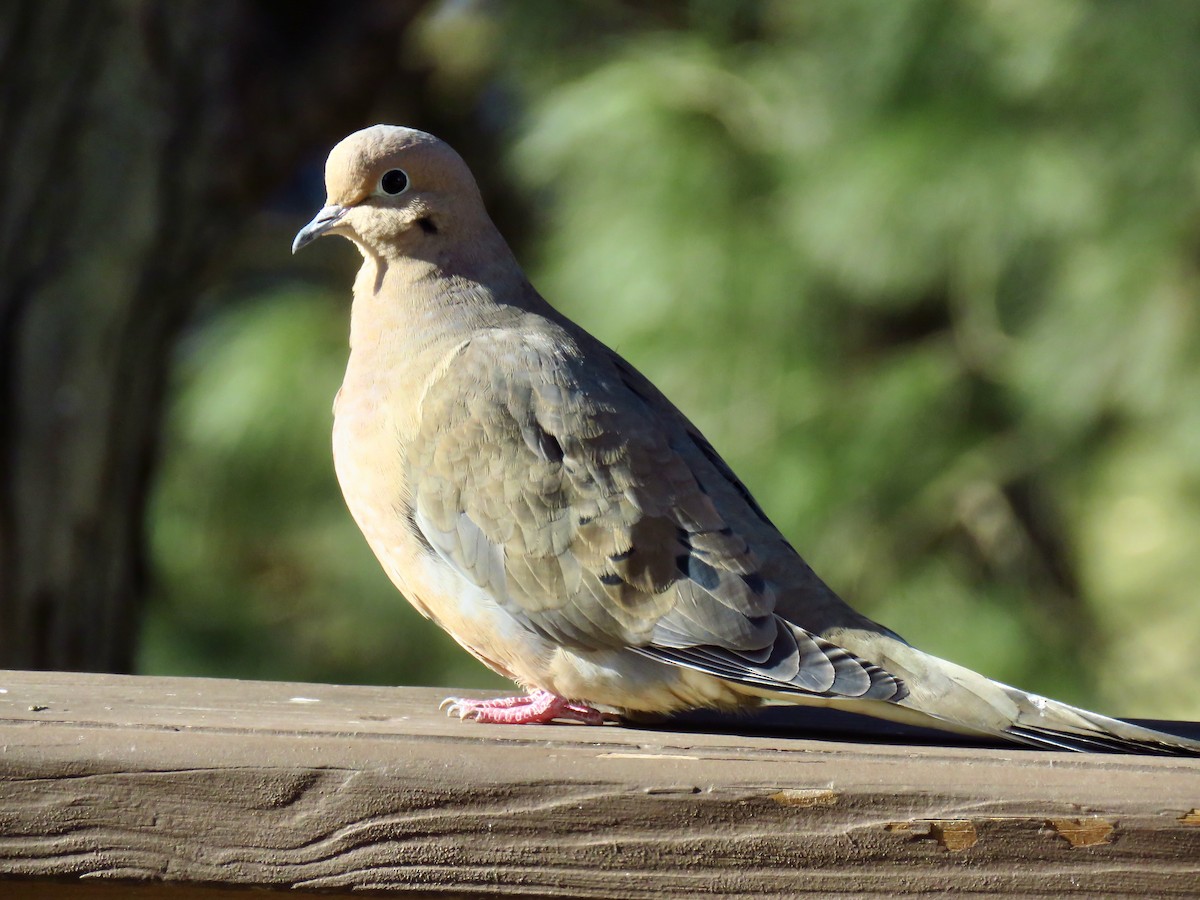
<point>924,272</point>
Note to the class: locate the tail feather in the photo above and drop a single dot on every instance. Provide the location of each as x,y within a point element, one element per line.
<point>952,696</point>
<point>1049,723</point>
<point>1057,740</point>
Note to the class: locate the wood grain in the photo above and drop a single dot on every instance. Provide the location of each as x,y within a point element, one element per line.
<point>166,784</point>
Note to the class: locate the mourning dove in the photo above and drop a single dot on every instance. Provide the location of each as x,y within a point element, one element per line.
<point>534,495</point>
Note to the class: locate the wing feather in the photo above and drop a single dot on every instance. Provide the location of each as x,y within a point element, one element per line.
<point>593,513</point>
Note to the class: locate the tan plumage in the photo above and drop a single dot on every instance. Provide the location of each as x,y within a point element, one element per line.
<point>539,499</point>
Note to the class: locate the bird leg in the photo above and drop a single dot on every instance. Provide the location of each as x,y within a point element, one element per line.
<point>537,708</point>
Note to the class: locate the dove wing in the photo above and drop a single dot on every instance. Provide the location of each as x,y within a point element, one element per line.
<point>563,484</point>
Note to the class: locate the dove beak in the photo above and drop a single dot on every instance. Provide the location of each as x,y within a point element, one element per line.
<point>324,220</point>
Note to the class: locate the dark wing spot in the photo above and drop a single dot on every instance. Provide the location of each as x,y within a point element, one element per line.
<point>755,582</point>
<point>622,556</point>
<point>610,578</point>
<point>698,571</point>
<point>550,448</point>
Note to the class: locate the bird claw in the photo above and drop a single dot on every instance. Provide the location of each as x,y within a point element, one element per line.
<point>465,708</point>
<point>539,707</point>
<point>457,706</point>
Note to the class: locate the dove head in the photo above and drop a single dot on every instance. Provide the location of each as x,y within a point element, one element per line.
<point>398,192</point>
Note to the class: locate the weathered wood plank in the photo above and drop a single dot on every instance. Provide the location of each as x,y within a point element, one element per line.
<point>203,783</point>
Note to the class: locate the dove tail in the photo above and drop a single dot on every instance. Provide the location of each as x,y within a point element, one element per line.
<point>1060,726</point>
<point>965,700</point>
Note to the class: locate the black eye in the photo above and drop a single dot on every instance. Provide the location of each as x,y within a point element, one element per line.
<point>394,182</point>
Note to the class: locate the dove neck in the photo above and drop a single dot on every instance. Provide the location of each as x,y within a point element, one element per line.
<point>435,302</point>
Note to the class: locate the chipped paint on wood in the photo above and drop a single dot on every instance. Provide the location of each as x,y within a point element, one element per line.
<point>1083,832</point>
<point>805,797</point>
<point>954,835</point>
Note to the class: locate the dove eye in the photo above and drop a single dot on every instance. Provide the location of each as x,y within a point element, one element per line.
<point>394,181</point>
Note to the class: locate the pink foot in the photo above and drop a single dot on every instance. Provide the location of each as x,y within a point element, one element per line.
<point>538,708</point>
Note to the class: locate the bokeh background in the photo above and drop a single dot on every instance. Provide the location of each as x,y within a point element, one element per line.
<point>925,272</point>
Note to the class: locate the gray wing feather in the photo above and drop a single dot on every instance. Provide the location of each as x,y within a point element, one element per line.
<point>592,512</point>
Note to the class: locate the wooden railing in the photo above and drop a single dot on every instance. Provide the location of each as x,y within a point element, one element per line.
<point>179,788</point>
